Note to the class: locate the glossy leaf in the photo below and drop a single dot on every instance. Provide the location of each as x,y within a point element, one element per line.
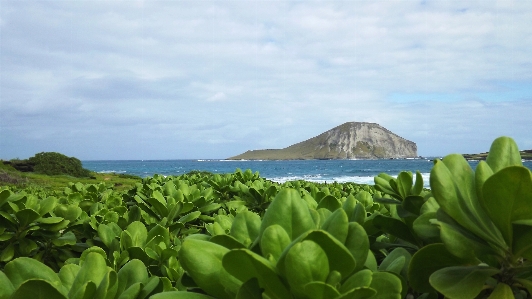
<point>426,261</point>
<point>250,290</point>
<point>273,242</point>
<point>37,289</point>
<point>453,186</point>
<point>503,153</point>
<point>387,285</point>
<point>461,281</point>
<point>245,265</point>
<point>6,287</point>
<point>22,269</point>
<point>507,197</point>
<point>502,291</point>
<point>93,270</point>
<point>395,227</point>
<point>289,211</point>
<point>246,227</point>
<point>203,262</point>
<point>320,290</point>
<point>359,279</point>
<point>357,243</point>
<point>337,225</point>
<point>305,262</point>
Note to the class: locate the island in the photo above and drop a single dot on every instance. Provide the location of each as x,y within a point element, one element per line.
<point>351,140</point>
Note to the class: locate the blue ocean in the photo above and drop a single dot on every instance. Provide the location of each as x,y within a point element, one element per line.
<point>358,171</point>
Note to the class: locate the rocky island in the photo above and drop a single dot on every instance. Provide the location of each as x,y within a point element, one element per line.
<point>351,140</point>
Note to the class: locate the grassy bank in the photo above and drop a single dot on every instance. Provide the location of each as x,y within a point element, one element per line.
<point>17,179</point>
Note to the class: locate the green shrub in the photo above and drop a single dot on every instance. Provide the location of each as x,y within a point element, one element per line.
<point>51,163</point>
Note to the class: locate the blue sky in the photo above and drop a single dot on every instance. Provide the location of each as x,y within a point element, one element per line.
<point>212,79</point>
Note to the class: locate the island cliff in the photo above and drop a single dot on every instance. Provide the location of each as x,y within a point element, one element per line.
<point>352,140</point>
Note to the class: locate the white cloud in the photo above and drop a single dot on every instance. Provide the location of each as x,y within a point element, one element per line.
<point>159,74</point>
<point>218,97</point>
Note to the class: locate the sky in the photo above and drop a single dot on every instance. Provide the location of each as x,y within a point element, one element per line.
<point>102,80</point>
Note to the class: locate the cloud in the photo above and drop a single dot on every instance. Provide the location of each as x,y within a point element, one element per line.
<point>219,96</point>
<point>163,79</point>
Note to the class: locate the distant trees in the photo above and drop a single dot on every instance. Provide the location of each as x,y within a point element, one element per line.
<point>52,163</point>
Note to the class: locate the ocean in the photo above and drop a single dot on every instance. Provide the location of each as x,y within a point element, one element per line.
<point>358,171</point>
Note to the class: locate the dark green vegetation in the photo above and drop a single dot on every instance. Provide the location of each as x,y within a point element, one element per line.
<point>51,163</point>
<point>352,140</point>
<point>238,235</point>
<point>23,174</point>
<point>525,154</point>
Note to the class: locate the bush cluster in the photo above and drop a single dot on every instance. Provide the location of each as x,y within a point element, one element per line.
<point>51,163</point>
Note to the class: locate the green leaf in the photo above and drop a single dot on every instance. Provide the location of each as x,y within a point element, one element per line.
<point>210,208</point>
<point>26,217</point>
<point>418,186</point>
<point>289,211</point>
<point>250,290</point>
<point>387,285</point>
<point>502,291</point>
<point>137,233</point>
<point>245,265</point>
<point>106,234</point>
<point>8,253</point>
<point>357,242</point>
<point>382,183</point>
<point>330,203</point>
<point>37,289</point>
<point>320,290</point>
<point>93,269</point>
<point>47,205</point>
<point>23,268</point>
<point>507,197</point>
<point>337,225</point>
<point>246,227</point>
<point>425,229</point>
<point>339,257</point>
<point>67,274</point>
<point>6,287</point>
<point>522,246</point>
<point>68,212</point>
<point>305,262</point>
<point>461,242</point>
<point>453,186</point>
<point>364,198</point>
<point>426,261</point>
<point>503,153</point>
<point>227,241</point>
<point>273,242</point>
<point>461,281</point>
<point>395,227</point>
<point>189,217</point>
<point>203,262</point>
<point>4,196</point>
<point>404,183</point>
<point>482,173</point>
<point>359,279</point>
<point>360,293</point>
<point>132,272</point>
<point>396,261</point>
<point>413,204</point>
<point>26,246</point>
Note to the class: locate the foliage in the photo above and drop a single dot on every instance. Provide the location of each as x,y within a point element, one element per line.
<point>52,163</point>
<point>237,235</point>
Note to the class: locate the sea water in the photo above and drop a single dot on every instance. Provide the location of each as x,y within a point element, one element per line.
<point>358,171</point>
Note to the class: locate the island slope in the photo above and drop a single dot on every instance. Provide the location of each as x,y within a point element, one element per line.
<point>351,140</point>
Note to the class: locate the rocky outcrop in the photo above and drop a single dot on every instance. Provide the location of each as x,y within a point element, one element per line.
<point>352,140</point>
